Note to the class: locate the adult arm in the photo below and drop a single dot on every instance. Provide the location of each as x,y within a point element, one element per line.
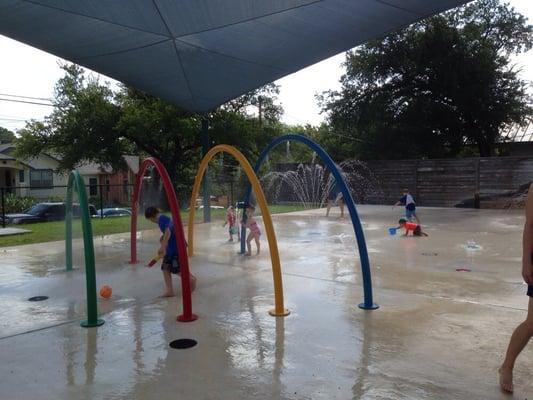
<point>527,241</point>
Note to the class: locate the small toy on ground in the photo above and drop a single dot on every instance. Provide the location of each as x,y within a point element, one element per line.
<point>106,291</point>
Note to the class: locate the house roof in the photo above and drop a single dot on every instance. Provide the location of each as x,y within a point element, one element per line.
<point>133,163</point>
<point>6,146</point>
<point>201,53</point>
<point>6,157</point>
<point>90,168</point>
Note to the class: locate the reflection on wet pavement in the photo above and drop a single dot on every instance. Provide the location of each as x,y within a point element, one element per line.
<point>439,333</point>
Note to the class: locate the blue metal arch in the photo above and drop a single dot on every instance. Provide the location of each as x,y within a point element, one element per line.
<point>348,200</point>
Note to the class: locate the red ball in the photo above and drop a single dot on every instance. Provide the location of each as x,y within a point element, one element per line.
<point>106,291</point>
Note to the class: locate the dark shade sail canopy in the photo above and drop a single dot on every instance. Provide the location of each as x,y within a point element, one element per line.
<point>199,54</point>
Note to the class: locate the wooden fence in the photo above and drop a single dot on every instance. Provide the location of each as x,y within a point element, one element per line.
<point>447,183</point>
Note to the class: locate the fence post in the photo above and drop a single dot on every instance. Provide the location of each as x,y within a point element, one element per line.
<point>101,202</point>
<point>3,210</point>
<point>477,198</point>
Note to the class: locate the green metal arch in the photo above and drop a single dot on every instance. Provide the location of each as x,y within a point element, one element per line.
<point>75,181</point>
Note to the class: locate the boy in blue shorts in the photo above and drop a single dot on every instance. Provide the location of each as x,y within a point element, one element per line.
<point>169,249</point>
<point>408,201</point>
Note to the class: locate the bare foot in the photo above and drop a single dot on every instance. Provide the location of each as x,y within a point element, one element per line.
<point>257,253</point>
<point>230,240</point>
<point>193,284</point>
<point>506,379</point>
<point>168,295</point>
<point>247,254</point>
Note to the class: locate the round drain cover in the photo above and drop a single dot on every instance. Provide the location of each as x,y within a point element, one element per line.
<point>38,298</point>
<point>183,343</point>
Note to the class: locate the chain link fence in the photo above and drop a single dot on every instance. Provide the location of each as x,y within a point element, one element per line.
<point>37,203</point>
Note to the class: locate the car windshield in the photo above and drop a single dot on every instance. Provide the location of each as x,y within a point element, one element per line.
<point>36,209</point>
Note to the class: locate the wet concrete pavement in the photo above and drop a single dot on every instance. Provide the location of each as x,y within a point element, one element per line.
<point>438,334</point>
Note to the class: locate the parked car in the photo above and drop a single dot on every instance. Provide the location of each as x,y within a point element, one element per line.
<point>43,212</point>
<point>113,212</point>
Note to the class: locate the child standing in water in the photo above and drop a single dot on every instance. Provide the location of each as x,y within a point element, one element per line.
<point>408,201</point>
<point>255,233</point>
<point>169,249</point>
<point>231,221</point>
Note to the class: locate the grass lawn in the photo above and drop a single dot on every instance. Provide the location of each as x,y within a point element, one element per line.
<point>52,231</point>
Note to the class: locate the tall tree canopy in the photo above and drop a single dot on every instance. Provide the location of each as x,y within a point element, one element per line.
<point>434,87</point>
<point>90,122</point>
<point>6,136</point>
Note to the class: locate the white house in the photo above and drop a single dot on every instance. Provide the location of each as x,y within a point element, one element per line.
<point>38,177</point>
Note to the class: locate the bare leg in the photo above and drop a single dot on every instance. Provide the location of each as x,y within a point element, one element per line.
<point>328,207</point>
<point>249,245</point>
<point>257,243</point>
<point>416,217</point>
<point>519,339</point>
<point>169,290</point>
<point>341,206</point>
<point>192,282</point>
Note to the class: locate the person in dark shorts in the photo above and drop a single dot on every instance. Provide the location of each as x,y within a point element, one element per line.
<point>408,201</point>
<point>169,250</point>
<point>524,331</point>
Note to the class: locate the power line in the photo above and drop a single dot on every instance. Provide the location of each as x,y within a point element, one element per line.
<point>26,97</point>
<point>27,102</point>
<point>12,119</point>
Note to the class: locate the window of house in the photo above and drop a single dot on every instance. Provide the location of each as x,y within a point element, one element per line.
<point>42,178</point>
<point>93,187</point>
<point>21,176</point>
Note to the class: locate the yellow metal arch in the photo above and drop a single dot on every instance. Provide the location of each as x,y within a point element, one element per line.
<point>279,309</point>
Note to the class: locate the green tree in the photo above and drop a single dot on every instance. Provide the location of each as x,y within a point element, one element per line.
<point>434,87</point>
<point>81,126</point>
<point>92,123</point>
<point>157,128</point>
<point>6,136</point>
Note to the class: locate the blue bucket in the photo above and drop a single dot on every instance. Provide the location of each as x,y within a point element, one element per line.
<point>392,231</point>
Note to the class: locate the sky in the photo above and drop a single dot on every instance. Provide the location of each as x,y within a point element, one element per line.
<point>26,71</point>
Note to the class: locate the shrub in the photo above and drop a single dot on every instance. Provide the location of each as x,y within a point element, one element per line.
<point>16,204</point>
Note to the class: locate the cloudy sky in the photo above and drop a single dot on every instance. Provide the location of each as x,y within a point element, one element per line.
<point>25,71</point>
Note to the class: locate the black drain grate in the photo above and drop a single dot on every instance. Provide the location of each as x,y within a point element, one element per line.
<point>183,343</point>
<point>38,298</point>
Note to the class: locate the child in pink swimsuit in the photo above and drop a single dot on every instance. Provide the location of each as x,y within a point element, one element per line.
<point>255,233</point>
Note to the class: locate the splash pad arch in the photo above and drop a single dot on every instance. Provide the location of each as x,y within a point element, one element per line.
<point>279,309</point>
<point>75,181</point>
<point>368,303</point>
<point>187,315</point>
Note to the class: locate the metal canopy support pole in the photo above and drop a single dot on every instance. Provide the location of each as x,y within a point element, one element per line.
<point>205,182</point>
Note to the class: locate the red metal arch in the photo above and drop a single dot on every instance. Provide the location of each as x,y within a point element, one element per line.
<point>178,231</point>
